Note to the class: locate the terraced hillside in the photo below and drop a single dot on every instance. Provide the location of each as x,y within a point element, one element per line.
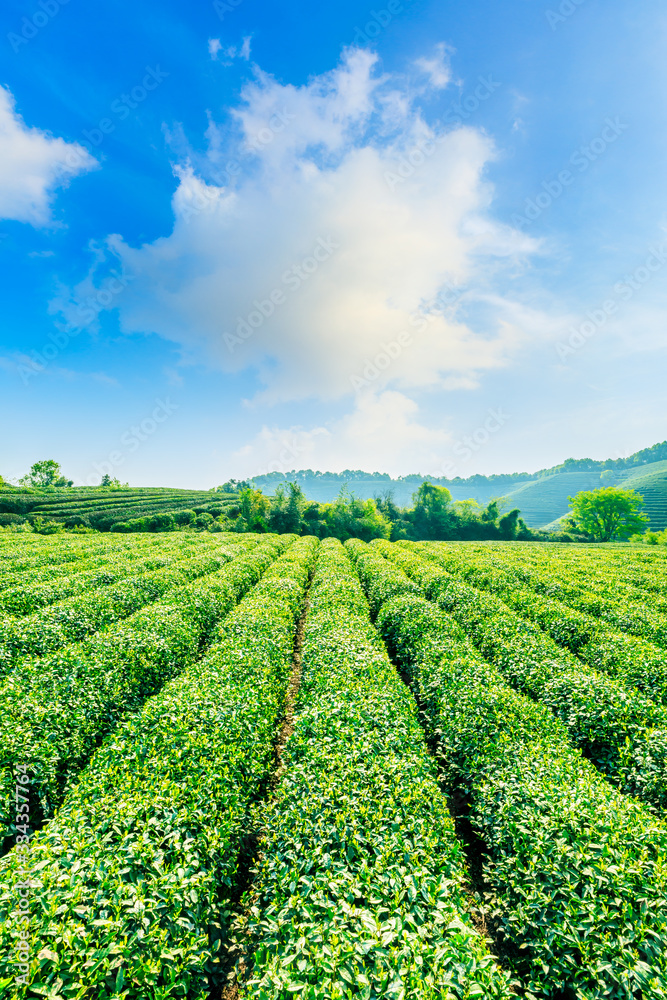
<point>652,484</point>
<point>544,501</point>
<point>102,508</point>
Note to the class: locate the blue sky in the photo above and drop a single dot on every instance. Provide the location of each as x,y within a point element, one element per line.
<point>239,237</point>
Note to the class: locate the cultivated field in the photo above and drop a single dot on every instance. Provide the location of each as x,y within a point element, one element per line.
<point>265,766</point>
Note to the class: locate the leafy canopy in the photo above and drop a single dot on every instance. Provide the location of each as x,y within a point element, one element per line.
<point>46,473</point>
<point>608,513</point>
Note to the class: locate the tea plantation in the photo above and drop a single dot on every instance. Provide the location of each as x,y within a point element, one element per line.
<point>268,766</point>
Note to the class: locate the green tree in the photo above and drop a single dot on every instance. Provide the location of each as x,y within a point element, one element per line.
<point>255,510</point>
<point>349,517</point>
<point>46,473</point>
<point>288,508</point>
<point>107,483</point>
<point>608,513</point>
<point>508,525</point>
<point>433,516</point>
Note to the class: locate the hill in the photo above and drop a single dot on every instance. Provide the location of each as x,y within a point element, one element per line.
<point>542,496</point>
<point>101,508</point>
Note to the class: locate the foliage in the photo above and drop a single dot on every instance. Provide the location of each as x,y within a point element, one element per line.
<point>109,483</point>
<point>622,731</point>
<point>45,473</point>
<point>361,886</point>
<point>145,915</point>
<point>56,709</point>
<point>608,513</point>
<point>233,486</point>
<point>44,527</point>
<point>568,856</point>
<point>288,508</point>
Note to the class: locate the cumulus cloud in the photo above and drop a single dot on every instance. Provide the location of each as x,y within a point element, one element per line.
<point>32,165</point>
<point>333,236</point>
<point>383,431</point>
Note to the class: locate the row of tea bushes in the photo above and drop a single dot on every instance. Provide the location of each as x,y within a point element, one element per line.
<point>622,731</point>
<point>576,871</point>
<point>633,660</point>
<point>71,620</point>
<point>360,884</point>
<point>54,711</point>
<point>109,566</point>
<point>132,880</point>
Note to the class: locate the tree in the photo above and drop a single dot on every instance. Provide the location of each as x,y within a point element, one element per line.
<point>349,517</point>
<point>509,524</point>
<point>608,513</point>
<point>433,516</point>
<point>288,508</point>
<point>255,510</point>
<point>107,483</point>
<point>46,473</point>
<point>232,486</point>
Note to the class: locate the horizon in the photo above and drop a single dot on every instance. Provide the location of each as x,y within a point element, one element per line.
<point>238,240</point>
<point>407,476</point>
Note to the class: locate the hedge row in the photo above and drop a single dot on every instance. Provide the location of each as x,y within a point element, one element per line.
<point>100,571</point>
<point>132,879</point>
<point>49,553</point>
<point>609,602</point>
<point>631,659</point>
<point>609,571</point>
<point>620,730</point>
<point>55,711</point>
<point>73,619</point>
<point>76,555</point>
<point>360,888</point>
<point>577,872</point>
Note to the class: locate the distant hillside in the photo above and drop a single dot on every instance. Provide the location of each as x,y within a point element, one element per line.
<point>544,501</point>
<point>541,496</point>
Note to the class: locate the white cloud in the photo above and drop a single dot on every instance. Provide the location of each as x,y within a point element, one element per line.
<point>338,162</point>
<point>32,165</point>
<point>381,433</point>
<point>241,51</point>
<point>437,69</point>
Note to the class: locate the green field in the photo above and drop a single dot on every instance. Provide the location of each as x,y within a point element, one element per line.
<point>265,766</point>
